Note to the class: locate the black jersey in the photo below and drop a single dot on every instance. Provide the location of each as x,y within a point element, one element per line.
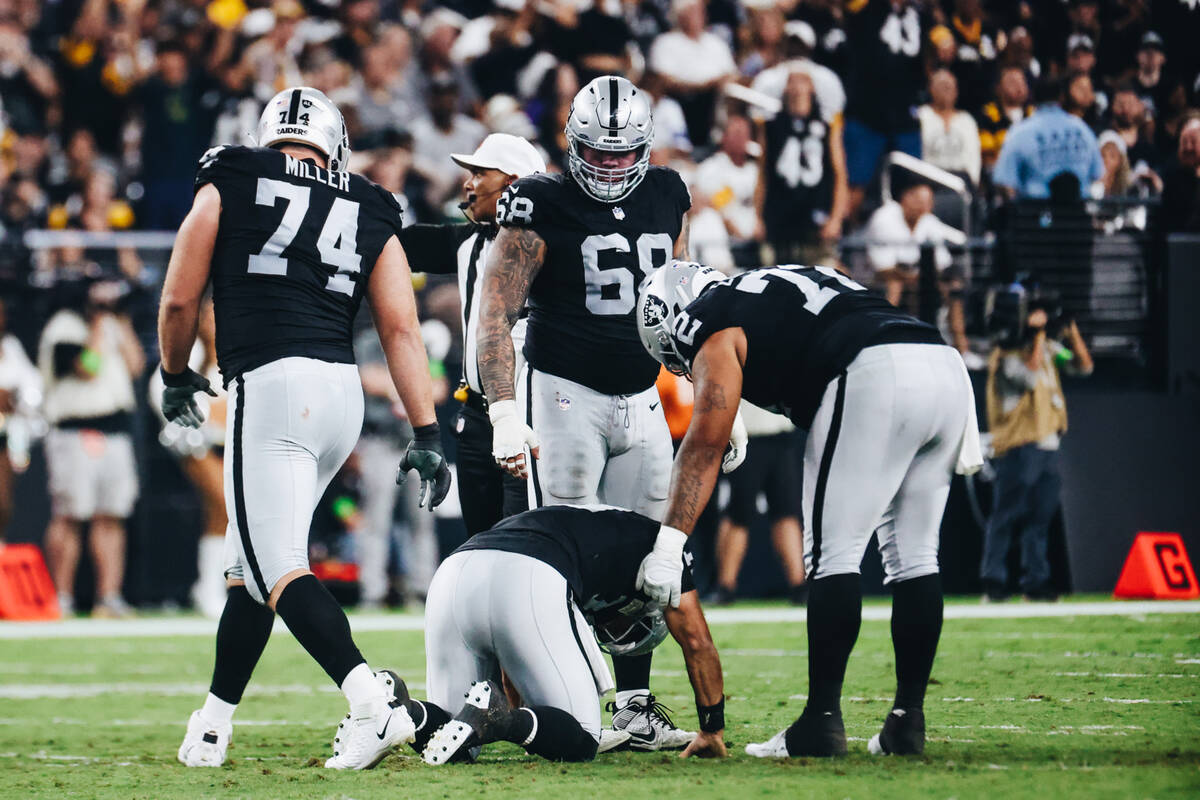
<point>295,247</point>
<point>886,73</point>
<point>799,175</point>
<point>803,326</point>
<point>581,321</point>
<point>598,549</point>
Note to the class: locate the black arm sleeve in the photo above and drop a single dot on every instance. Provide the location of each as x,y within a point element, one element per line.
<point>65,355</point>
<point>434,248</point>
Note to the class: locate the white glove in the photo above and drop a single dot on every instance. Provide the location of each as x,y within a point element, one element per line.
<point>510,437</point>
<point>735,454</point>
<point>660,576</point>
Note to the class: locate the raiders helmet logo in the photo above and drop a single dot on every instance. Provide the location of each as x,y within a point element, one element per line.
<point>654,311</point>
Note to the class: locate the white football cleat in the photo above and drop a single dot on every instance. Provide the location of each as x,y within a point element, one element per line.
<point>204,744</point>
<point>775,747</point>
<point>649,728</point>
<point>367,734</point>
<point>612,740</point>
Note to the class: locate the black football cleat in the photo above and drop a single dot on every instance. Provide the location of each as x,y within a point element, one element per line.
<point>819,734</point>
<point>486,717</point>
<point>903,734</point>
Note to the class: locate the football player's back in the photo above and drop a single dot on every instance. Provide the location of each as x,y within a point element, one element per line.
<point>293,254</point>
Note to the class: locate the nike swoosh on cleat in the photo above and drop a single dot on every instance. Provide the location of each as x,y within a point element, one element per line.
<point>644,737</point>
<point>383,732</point>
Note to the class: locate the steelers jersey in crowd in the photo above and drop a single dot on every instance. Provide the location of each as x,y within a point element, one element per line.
<point>803,326</point>
<point>886,73</point>
<point>297,243</point>
<point>799,175</point>
<point>598,549</point>
<point>581,304</point>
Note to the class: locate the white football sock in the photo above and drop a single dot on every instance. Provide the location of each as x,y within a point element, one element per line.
<point>623,698</point>
<point>217,711</point>
<point>360,686</point>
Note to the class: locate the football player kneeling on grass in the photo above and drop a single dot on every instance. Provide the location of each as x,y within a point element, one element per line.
<point>519,598</point>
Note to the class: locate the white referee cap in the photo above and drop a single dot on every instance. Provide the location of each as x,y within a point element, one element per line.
<point>510,154</point>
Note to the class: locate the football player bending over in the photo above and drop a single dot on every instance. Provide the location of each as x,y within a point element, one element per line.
<point>890,414</point>
<point>291,242</point>
<point>520,598</point>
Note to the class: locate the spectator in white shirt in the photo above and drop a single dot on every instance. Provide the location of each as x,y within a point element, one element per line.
<point>949,137</point>
<point>88,362</point>
<point>799,42</point>
<point>729,180</point>
<point>895,235</point>
<point>20,393</point>
<point>693,64</point>
<point>445,131</point>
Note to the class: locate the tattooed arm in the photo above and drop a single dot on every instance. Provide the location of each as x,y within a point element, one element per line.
<point>681,241</point>
<point>717,373</point>
<point>513,263</point>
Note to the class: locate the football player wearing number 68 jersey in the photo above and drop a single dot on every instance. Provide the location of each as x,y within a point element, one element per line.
<point>890,415</point>
<point>575,247</point>
<point>291,242</point>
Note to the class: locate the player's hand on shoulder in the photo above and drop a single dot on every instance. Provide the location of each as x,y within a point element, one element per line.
<point>510,437</point>
<point>424,454</point>
<point>178,397</point>
<point>706,745</point>
<point>660,576</point>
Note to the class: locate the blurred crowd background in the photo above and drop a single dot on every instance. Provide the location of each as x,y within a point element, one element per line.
<point>870,133</point>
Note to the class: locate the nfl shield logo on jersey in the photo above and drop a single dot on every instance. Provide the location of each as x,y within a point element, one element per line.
<point>618,212</point>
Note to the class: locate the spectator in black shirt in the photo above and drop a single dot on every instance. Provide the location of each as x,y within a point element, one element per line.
<point>1181,186</point>
<point>27,84</point>
<point>883,85</point>
<point>1151,82</point>
<point>177,129</point>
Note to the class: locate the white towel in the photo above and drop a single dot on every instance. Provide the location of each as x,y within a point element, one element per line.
<point>970,452</point>
<point>591,649</point>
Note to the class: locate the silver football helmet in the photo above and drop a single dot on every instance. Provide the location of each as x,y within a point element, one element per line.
<point>609,114</point>
<point>635,629</point>
<point>305,115</point>
<point>664,294</point>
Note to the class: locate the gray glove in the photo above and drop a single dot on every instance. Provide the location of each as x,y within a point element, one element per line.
<point>178,403</point>
<point>424,454</point>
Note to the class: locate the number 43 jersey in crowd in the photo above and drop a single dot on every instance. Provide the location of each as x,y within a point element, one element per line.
<point>803,326</point>
<point>295,247</point>
<point>581,304</point>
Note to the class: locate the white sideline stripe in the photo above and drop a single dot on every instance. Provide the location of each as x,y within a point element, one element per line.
<point>370,623</point>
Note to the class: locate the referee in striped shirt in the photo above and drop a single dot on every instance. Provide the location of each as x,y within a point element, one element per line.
<point>487,494</point>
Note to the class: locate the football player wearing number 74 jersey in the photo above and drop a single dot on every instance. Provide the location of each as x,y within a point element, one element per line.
<point>891,416</point>
<point>291,242</point>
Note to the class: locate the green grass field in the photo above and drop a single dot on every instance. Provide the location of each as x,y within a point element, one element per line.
<point>1077,706</point>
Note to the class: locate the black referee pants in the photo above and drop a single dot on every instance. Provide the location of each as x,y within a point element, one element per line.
<point>487,493</point>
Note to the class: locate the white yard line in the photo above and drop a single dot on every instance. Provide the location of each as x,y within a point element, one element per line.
<point>367,623</point>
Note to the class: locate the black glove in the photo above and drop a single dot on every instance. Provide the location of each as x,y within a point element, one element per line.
<point>424,454</point>
<point>178,404</point>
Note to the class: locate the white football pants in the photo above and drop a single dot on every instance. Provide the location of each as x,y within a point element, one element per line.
<point>489,610</point>
<point>879,459</point>
<point>293,422</point>
<point>596,448</point>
